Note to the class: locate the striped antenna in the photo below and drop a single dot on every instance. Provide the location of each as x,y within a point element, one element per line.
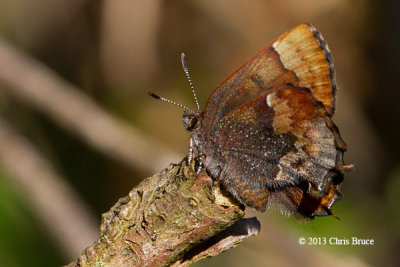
<point>170,101</point>
<point>186,70</point>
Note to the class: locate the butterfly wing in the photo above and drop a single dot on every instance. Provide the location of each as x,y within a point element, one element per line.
<point>299,57</point>
<point>277,140</point>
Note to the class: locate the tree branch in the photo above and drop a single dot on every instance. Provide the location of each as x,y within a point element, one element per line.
<point>172,218</point>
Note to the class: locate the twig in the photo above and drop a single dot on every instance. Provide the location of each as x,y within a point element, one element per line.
<point>170,218</point>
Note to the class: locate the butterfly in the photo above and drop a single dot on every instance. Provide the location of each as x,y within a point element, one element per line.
<point>266,134</point>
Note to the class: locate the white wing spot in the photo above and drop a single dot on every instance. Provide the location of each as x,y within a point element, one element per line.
<point>269,100</point>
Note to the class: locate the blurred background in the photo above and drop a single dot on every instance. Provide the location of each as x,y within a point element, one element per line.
<point>77,130</point>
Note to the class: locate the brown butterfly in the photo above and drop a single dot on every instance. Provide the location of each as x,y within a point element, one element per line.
<point>266,133</point>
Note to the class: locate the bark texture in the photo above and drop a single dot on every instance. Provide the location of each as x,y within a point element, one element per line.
<point>172,218</point>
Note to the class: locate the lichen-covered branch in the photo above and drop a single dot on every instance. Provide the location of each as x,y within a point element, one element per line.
<point>172,218</point>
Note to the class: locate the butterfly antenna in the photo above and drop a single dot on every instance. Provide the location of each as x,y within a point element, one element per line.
<point>169,101</point>
<point>186,70</point>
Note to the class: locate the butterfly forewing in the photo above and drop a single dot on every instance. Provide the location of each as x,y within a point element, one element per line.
<point>299,57</point>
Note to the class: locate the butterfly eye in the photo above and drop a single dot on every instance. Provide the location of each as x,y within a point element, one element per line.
<point>193,122</point>
<point>190,121</point>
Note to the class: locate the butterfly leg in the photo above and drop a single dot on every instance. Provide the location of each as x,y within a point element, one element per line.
<point>200,161</point>
<point>191,150</point>
<point>195,156</point>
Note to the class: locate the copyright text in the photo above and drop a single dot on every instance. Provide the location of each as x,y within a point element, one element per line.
<point>335,241</point>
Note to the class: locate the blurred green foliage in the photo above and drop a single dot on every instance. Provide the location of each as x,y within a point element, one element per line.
<point>22,240</point>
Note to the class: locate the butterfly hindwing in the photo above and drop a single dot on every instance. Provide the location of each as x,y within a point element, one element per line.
<point>274,141</point>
